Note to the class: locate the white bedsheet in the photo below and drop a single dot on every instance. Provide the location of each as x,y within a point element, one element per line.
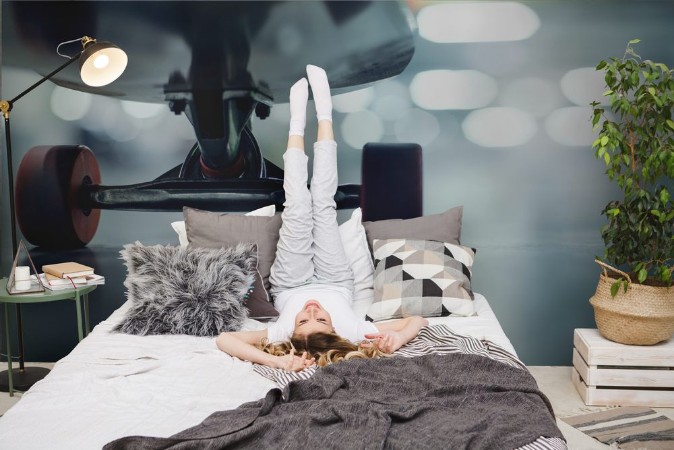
<point>113,385</point>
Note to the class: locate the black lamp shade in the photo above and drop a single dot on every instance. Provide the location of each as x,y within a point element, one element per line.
<point>101,63</point>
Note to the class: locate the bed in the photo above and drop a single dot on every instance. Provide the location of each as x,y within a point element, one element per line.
<point>134,391</point>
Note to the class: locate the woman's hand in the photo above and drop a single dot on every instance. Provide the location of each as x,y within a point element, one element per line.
<point>387,341</point>
<point>396,333</point>
<point>294,363</point>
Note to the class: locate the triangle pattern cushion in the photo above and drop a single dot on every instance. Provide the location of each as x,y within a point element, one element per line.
<point>421,277</point>
<point>393,261</point>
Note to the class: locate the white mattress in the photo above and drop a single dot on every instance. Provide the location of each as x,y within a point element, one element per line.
<point>113,385</point>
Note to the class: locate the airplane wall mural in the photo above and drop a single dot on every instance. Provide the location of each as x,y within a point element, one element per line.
<point>218,63</point>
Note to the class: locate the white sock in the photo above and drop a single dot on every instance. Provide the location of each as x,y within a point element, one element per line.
<point>318,80</point>
<point>299,94</point>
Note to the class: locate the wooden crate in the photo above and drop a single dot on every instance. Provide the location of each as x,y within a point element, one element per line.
<point>607,373</point>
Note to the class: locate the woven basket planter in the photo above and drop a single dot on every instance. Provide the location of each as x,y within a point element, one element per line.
<point>644,315</point>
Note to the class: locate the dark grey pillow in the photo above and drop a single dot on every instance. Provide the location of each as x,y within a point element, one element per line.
<point>444,227</point>
<point>192,291</point>
<point>215,230</point>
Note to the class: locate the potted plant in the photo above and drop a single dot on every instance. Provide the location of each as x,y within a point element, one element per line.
<point>636,142</point>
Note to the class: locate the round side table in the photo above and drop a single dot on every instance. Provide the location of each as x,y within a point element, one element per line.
<point>79,295</point>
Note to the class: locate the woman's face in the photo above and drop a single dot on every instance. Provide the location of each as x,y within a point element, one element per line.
<point>313,319</point>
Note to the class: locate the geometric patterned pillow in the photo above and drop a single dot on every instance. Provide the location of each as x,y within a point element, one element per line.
<point>421,278</point>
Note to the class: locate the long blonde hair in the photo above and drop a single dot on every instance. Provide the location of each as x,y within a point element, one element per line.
<point>325,348</point>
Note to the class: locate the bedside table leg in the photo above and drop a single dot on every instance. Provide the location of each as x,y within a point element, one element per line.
<point>86,314</point>
<point>79,316</point>
<point>9,353</point>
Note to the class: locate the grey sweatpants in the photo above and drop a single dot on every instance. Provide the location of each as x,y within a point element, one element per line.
<point>310,249</point>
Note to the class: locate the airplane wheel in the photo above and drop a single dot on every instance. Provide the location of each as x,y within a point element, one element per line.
<point>47,196</point>
<point>255,167</point>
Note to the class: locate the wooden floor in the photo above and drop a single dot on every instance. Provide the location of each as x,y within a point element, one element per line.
<point>556,383</point>
<point>6,401</point>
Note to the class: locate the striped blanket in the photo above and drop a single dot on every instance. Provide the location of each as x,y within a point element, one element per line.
<point>456,392</point>
<point>435,339</point>
<point>634,427</point>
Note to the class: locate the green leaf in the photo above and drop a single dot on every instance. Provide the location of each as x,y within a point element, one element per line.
<point>670,123</point>
<point>601,65</point>
<point>614,288</point>
<point>604,141</point>
<point>651,91</point>
<point>595,119</point>
<point>607,93</point>
<point>607,159</point>
<point>642,275</point>
<point>634,41</point>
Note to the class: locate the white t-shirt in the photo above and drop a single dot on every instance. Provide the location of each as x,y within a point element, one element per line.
<point>336,300</point>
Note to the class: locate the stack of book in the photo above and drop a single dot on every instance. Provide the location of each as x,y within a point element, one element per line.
<point>69,275</point>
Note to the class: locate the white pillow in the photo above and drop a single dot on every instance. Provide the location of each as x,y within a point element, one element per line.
<point>360,260</point>
<point>179,226</point>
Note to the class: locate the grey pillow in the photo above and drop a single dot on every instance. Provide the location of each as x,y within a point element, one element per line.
<point>444,227</point>
<point>207,229</point>
<point>192,291</point>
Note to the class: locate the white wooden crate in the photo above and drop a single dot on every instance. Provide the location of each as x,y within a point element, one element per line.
<point>608,373</point>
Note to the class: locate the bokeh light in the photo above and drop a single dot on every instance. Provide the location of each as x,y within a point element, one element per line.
<point>583,86</point>
<point>499,127</point>
<point>68,104</point>
<point>571,126</point>
<point>418,126</point>
<point>452,89</point>
<point>353,101</point>
<point>140,110</point>
<point>359,128</point>
<point>533,95</point>
<point>477,22</point>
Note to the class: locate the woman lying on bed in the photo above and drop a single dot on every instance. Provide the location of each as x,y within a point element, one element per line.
<point>311,280</point>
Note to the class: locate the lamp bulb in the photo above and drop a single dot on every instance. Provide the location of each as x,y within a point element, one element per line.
<point>101,61</point>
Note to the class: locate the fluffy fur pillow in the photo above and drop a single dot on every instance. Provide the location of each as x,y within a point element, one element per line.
<point>192,291</point>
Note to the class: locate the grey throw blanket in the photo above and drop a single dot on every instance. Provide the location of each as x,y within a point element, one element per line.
<point>433,401</point>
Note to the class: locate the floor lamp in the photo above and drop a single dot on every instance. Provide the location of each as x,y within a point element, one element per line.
<point>101,63</point>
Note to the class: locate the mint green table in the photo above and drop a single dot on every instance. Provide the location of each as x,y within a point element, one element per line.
<point>80,296</point>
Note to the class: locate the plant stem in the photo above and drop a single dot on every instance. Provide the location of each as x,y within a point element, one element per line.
<point>634,161</point>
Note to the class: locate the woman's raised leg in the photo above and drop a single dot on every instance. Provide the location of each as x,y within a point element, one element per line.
<point>293,265</point>
<point>330,262</point>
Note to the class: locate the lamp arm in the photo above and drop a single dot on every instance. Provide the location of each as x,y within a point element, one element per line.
<point>6,105</point>
<point>10,176</point>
